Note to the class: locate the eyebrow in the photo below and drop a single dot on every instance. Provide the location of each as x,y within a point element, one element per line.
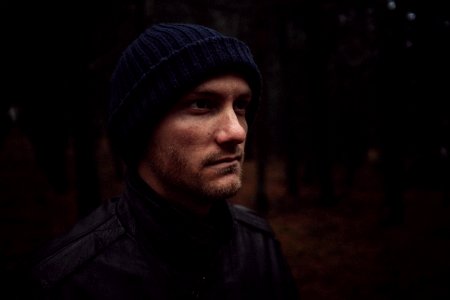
<point>213,93</point>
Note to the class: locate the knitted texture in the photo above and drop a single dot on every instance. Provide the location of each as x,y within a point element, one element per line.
<point>162,63</point>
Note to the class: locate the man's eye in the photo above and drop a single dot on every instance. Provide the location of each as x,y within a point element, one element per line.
<point>201,104</point>
<point>241,105</point>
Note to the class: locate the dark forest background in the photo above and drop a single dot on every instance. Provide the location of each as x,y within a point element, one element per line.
<point>353,134</point>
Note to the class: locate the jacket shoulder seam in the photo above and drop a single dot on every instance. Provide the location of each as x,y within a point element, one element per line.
<point>76,251</point>
<point>251,218</point>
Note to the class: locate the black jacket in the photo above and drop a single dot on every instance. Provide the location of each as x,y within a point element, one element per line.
<point>137,246</point>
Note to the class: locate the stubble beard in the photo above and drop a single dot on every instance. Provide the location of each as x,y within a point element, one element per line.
<point>175,175</point>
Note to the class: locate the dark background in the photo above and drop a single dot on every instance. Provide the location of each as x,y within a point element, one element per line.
<point>348,158</point>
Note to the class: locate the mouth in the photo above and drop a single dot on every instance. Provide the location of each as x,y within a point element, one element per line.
<point>225,160</point>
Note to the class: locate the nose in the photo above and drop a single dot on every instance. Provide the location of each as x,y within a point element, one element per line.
<point>232,129</point>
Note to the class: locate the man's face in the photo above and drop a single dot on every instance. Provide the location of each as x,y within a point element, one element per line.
<point>196,152</point>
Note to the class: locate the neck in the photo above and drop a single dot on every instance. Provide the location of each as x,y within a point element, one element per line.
<point>191,204</point>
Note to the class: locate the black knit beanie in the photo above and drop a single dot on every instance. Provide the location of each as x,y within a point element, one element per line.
<point>164,62</point>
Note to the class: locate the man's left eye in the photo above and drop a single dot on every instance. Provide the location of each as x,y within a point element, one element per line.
<point>241,105</point>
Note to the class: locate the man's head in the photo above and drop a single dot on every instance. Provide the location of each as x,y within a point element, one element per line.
<point>154,81</point>
<point>159,66</point>
<point>195,153</point>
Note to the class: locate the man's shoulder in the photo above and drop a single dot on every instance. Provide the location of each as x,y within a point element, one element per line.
<point>84,240</point>
<point>250,219</point>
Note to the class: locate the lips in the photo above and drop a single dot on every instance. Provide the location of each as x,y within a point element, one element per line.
<point>224,160</point>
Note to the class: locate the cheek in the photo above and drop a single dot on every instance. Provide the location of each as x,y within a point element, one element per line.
<point>192,135</point>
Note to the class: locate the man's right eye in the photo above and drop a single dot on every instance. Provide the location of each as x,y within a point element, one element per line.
<point>201,104</point>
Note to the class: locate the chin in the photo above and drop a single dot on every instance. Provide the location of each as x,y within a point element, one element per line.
<point>222,190</point>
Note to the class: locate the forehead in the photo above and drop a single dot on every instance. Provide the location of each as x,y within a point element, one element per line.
<point>229,83</point>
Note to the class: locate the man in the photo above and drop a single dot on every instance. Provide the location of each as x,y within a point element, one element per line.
<point>182,98</point>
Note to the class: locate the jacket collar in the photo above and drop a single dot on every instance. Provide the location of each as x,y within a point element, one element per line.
<point>169,230</point>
